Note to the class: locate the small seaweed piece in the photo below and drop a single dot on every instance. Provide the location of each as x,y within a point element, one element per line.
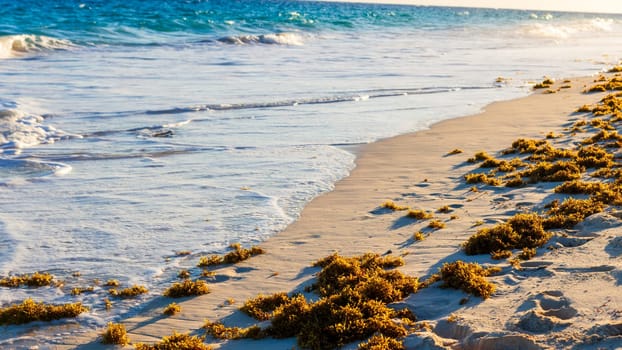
<point>527,253</point>
<point>393,206</point>
<point>418,236</point>
<point>436,224</point>
<point>172,309</point>
<point>115,333</point>
<point>419,214</point>
<point>455,151</point>
<point>112,283</point>
<point>444,209</point>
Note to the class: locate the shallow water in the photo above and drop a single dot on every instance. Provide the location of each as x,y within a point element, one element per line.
<point>131,130</point>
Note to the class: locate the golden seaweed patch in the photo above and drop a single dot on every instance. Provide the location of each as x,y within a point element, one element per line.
<point>29,311</point>
<point>115,333</point>
<point>469,277</point>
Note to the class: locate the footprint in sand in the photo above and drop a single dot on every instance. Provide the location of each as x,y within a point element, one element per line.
<point>614,247</point>
<point>551,311</point>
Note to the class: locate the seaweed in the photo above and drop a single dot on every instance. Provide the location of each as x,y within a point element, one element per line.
<point>393,206</point>
<point>353,292</point>
<point>436,224</point>
<point>520,231</point>
<point>115,333</point>
<point>130,292</point>
<point>34,280</point>
<point>220,331</point>
<point>380,342</point>
<point>571,212</point>
<point>469,277</point>
<point>29,311</point>
<point>419,214</point>
<point>187,288</point>
<point>172,309</point>
<point>177,341</point>
<point>262,306</point>
<point>238,254</point>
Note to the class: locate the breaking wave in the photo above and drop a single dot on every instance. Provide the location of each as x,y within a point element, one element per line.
<point>550,29</point>
<point>15,46</point>
<point>287,38</point>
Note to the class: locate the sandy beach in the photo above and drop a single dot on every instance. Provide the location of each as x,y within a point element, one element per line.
<point>564,297</point>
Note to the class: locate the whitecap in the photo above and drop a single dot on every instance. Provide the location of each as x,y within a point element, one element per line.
<point>285,38</point>
<point>14,46</point>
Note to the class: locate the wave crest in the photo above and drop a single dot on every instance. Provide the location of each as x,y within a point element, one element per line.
<point>551,30</point>
<point>286,38</point>
<point>13,46</point>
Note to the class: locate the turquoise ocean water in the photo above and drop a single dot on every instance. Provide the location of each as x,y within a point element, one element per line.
<point>130,130</point>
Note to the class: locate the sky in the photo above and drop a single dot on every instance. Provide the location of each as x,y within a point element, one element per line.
<point>596,6</point>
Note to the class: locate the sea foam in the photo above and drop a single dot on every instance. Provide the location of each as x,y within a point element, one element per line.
<point>287,38</point>
<point>14,46</point>
<point>19,130</point>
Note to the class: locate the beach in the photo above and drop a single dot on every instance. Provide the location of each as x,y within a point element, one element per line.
<point>209,128</point>
<point>567,292</point>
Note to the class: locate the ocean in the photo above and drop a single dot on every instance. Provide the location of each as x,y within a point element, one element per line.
<point>133,130</point>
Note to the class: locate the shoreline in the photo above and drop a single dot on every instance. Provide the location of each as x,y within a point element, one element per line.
<point>412,169</point>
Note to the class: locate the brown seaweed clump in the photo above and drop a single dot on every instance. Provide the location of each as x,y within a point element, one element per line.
<point>615,83</point>
<point>129,292</point>
<point>172,309</point>
<point>380,342</point>
<point>262,306</point>
<point>187,288</point>
<point>393,206</point>
<point>571,212</point>
<point>606,193</point>
<point>34,280</point>
<point>544,84</point>
<point>520,231</point>
<point>469,277</point>
<point>220,331</point>
<point>29,311</point>
<point>482,178</point>
<point>418,214</point>
<point>115,333</point>
<point>354,292</point>
<point>177,341</point>
<point>238,254</point>
<point>552,172</point>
